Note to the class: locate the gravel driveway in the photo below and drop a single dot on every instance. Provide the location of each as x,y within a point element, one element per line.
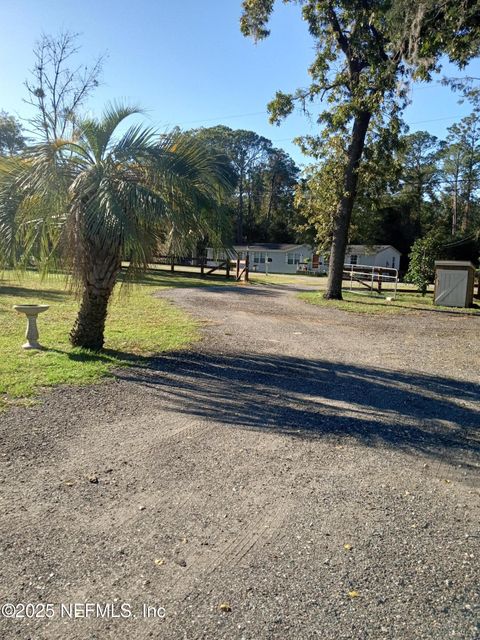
<point>301,473</point>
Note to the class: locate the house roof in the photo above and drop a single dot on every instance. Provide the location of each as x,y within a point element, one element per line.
<point>268,246</point>
<point>369,249</point>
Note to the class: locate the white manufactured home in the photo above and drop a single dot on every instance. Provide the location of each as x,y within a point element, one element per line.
<point>273,257</point>
<point>377,255</point>
<point>269,257</point>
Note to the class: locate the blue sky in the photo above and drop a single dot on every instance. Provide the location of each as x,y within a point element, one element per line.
<point>187,63</point>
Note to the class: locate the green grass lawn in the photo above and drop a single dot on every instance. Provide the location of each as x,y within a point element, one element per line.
<point>138,326</point>
<point>405,302</point>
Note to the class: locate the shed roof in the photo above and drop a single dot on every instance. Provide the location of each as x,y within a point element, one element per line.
<point>454,263</point>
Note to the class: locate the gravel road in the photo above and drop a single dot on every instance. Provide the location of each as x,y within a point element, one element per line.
<point>301,473</point>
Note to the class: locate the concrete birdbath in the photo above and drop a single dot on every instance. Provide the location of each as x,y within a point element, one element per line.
<point>31,311</point>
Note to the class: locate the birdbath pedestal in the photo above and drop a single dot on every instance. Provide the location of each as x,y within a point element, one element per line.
<point>31,311</point>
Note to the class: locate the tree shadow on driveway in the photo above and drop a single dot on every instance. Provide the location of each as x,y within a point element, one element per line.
<point>418,413</point>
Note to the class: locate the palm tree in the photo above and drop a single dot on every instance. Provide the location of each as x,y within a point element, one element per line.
<point>102,198</point>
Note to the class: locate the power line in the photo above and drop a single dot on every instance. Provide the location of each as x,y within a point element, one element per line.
<point>238,115</point>
<point>290,139</point>
<point>408,123</point>
<point>437,119</point>
<point>435,182</point>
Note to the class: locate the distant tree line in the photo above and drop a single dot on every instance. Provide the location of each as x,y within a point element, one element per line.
<point>262,208</point>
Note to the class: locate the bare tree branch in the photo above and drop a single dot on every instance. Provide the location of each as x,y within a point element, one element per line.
<point>58,91</point>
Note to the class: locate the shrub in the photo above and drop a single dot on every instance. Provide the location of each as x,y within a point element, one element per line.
<point>425,251</point>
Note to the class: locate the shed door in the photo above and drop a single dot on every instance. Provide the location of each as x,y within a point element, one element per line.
<point>451,287</point>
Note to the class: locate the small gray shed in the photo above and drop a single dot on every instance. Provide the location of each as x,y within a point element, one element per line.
<point>454,283</point>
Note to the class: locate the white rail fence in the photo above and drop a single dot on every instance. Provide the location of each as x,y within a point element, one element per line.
<point>370,277</point>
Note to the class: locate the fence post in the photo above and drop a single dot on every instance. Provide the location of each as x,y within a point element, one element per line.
<point>247,262</point>
<point>202,266</point>
<point>227,268</point>
<point>172,263</point>
<point>238,268</point>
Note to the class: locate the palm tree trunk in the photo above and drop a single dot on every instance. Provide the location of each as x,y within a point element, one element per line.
<point>99,281</point>
<point>343,215</point>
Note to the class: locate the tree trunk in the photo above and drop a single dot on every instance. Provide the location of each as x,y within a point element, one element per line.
<point>468,198</point>
<point>99,280</point>
<point>239,235</point>
<point>343,215</point>
<point>249,224</point>
<point>271,198</point>
<point>455,207</point>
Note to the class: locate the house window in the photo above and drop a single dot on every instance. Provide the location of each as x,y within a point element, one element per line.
<point>258,258</point>
<point>293,258</point>
<point>353,259</point>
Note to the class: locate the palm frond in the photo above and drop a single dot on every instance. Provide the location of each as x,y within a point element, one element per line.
<point>97,134</point>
